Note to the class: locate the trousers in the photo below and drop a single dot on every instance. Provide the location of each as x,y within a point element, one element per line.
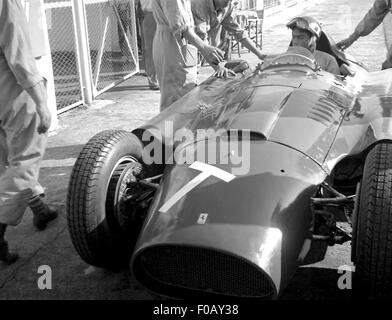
<point>21,151</point>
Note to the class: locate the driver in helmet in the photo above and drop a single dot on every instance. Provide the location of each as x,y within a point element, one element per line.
<point>306,32</point>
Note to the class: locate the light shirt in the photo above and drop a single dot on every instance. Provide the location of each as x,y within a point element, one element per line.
<point>327,62</point>
<point>175,15</point>
<point>17,64</point>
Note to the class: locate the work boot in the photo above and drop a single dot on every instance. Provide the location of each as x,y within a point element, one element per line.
<point>6,256</point>
<point>154,86</point>
<point>153,83</point>
<point>43,213</point>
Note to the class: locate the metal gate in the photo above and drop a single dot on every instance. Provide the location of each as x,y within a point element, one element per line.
<point>61,31</point>
<point>112,37</point>
<point>93,47</point>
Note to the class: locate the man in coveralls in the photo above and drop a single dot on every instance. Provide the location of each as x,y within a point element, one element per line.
<point>212,15</point>
<point>24,122</point>
<point>175,50</point>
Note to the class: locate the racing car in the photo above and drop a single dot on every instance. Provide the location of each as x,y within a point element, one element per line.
<point>224,192</point>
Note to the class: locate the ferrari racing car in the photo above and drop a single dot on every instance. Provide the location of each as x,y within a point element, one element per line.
<point>224,192</point>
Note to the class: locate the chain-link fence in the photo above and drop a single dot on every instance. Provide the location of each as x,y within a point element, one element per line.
<point>61,32</point>
<point>112,41</point>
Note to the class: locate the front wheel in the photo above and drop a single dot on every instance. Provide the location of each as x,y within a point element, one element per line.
<point>103,221</point>
<point>373,230</point>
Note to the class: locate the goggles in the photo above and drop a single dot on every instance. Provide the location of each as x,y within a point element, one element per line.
<point>301,23</point>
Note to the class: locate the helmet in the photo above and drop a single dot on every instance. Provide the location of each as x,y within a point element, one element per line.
<point>307,23</point>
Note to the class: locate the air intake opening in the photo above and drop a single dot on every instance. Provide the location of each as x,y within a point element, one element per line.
<point>183,271</point>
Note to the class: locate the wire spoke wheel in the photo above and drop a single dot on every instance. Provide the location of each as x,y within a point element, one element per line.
<point>104,217</point>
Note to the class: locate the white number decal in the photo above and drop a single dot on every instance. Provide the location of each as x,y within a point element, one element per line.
<point>206,171</point>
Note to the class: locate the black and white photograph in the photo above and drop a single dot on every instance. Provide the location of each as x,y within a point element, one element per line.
<point>174,151</point>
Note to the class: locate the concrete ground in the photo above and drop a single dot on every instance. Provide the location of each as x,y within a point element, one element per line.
<point>128,106</point>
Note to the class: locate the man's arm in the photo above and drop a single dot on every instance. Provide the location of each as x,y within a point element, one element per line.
<point>251,46</point>
<point>234,28</point>
<point>199,12</point>
<point>181,24</point>
<point>372,19</point>
<point>213,55</point>
<point>369,22</point>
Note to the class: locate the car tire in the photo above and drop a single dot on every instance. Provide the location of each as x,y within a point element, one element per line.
<point>93,226</point>
<point>373,232</point>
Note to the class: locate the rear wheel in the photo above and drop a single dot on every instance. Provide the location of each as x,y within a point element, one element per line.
<point>104,218</point>
<point>373,230</point>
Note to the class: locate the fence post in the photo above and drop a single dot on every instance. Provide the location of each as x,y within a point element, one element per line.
<point>83,51</point>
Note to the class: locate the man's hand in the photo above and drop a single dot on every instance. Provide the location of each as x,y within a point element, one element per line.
<point>213,55</point>
<point>346,43</point>
<point>222,72</point>
<point>261,56</point>
<point>45,118</point>
<point>39,95</point>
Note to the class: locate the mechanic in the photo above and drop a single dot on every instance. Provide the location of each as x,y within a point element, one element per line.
<point>175,50</point>
<point>369,22</point>
<point>212,15</point>
<point>24,122</point>
<point>306,32</point>
<point>149,28</point>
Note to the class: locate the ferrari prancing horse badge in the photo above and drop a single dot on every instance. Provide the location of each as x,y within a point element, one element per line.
<point>202,218</point>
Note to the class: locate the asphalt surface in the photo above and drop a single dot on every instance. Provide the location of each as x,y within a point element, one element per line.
<point>125,107</point>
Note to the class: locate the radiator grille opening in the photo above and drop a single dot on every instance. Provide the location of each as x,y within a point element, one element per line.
<point>182,271</point>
